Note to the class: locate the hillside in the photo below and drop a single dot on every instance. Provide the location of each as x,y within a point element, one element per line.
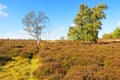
<point>59,60</point>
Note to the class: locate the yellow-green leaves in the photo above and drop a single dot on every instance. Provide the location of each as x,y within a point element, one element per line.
<point>115,34</point>
<point>88,23</point>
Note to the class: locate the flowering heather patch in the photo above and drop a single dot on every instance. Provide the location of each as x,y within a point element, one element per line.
<point>59,60</point>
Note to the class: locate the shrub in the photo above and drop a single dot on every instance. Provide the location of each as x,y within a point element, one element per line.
<point>4,60</point>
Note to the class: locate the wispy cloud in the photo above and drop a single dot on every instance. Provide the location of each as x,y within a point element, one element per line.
<point>19,35</point>
<point>73,25</point>
<point>59,33</point>
<point>47,35</point>
<point>62,28</point>
<point>11,36</point>
<point>54,34</point>
<point>118,24</point>
<point>2,13</point>
<point>2,7</point>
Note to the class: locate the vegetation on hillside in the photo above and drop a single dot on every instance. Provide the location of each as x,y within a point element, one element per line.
<point>63,59</point>
<point>59,60</point>
<point>17,60</point>
<point>34,24</point>
<point>67,60</point>
<point>114,35</point>
<point>87,23</point>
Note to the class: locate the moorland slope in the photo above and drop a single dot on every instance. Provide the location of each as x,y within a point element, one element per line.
<point>59,60</point>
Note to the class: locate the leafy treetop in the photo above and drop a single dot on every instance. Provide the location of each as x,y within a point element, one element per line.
<point>87,23</point>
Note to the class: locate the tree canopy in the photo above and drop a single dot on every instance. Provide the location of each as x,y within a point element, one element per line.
<point>87,23</point>
<point>34,23</point>
<point>113,35</point>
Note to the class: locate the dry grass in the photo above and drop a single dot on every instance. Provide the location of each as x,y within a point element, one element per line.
<point>63,60</point>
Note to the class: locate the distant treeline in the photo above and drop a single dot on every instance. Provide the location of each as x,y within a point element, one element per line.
<point>113,35</point>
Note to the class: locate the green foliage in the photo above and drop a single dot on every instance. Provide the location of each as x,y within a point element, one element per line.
<point>17,59</point>
<point>114,35</point>
<point>87,23</point>
<point>4,60</point>
<point>19,69</point>
<point>107,36</point>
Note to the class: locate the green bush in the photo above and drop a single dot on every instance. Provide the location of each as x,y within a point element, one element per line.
<point>4,60</point>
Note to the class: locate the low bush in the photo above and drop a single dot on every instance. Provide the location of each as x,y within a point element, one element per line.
<point>77,61</point>
<point>4,60</point>
<point>64,60</point>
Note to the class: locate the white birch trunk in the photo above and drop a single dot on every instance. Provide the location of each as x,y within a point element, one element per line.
<point>38,42</point>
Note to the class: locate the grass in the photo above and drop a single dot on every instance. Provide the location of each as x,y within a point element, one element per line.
<point>73,60</point>
<point>19,69</point>
<point>59,60</point>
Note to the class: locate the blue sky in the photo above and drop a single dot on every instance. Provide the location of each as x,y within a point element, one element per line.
<point>60,12</point>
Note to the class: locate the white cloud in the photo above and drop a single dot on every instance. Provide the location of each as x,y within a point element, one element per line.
<point>2,7</point>
<point>47,35</point>
<point>11,36</point>
<point>2,13</point>
<point>54,34</point>
<point>22,32</point>
<point>73,25</point>
<point>118,24</point>
<point>61,28</point>
<point>19,35</point>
